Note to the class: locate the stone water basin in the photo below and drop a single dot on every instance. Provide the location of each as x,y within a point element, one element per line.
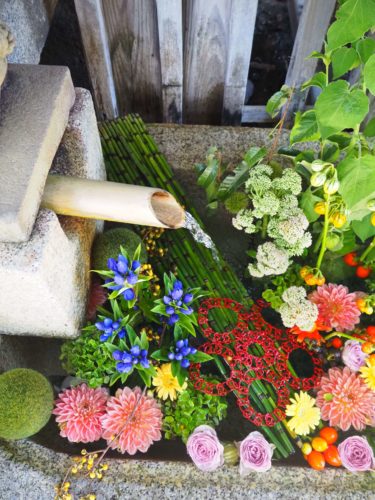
<point>30,468</point>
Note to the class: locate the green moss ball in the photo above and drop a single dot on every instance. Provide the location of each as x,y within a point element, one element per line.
<point>108,244</point>
<point>26,403</point>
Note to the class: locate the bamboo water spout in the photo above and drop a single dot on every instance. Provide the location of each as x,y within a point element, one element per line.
<point>112,201</point>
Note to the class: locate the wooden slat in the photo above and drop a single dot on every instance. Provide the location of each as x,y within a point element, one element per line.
<point>95,43</point>
<point>171,56</point>
<point>133,40</point>
<point>255,114</point>
<point>206,36</point>
<point>312,28</point>
<point>240,41</point>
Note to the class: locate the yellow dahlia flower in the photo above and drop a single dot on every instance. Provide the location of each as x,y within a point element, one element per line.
<point>368,372</point>
<point>306,416</point>
<point>166,384</point>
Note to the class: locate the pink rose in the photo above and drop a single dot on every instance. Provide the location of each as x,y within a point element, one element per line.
<point>352,355</point>
<point>255,454</point>
<point>356,454</point>
<point>205,449</point>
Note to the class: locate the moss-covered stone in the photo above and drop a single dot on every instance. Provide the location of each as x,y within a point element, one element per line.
<point>108,244</point>
<point>26,403</point>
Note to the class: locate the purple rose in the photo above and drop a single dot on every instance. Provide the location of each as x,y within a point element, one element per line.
<point>356,454</point>
<point>352,355</point>
<point>255,454</point>
<point>205,449</point>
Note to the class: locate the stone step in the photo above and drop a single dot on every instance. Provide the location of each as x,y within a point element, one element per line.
<point>34,109</point>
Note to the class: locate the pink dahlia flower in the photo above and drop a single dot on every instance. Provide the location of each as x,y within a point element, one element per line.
<point>79,411</point>
<point>345,400</point>
<point>133,419</point>
<point>337,307</point>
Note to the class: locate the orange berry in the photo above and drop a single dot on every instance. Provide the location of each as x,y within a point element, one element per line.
<point>310,279</point>
<point>320,281</point>
<point>361,304</point>
<point>370,330</point>
<point>304,271</point>
<point>336,343</point>
<point>363,272</point>
<point>319,444</point>
<point>306,449</point>
<point>367,347</point>
<point>332,457</point>
<point>329,434</point>
<point>316,460</point>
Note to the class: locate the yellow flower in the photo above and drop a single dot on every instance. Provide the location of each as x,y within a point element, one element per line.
<point>166,384</point>
<point>368,372</point>
<point>306,416</point>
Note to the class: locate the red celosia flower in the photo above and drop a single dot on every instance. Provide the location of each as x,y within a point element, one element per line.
<point>337,307</point>
<point>133,421</point>
<point>345,400</point>
<point>79,411</point>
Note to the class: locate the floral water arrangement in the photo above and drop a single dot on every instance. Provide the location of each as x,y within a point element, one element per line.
<point>162,356</point>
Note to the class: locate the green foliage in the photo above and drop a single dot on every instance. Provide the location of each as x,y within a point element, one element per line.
<point>357,184</point>
<point>339,107</point>
<point>343,60</point>
<point>191,409</point>
<point>108,244</point>
<point>354,18</point>
<point>305,127</point>
<point>26,403</point>
<point>278,100</point>
<point>280,284</point>
<point>369,74</point>
<point>236,202</point>
<point>87,358</point>
<point>221,182</point>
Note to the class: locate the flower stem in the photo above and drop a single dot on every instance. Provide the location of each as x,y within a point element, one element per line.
<point>368,250</point>
<point>264,226</point>
<point>324,234</point>
<point>344,335</point>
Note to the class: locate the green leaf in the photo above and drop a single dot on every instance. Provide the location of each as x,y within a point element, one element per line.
<point>305,127</point>
<point>363,228</point>
<point>369,74</point>
<point>330,151</point>
<point>342,139</point>
<point>318,80</point>
<point>146,377</point>
<point>132,336</point>
<point>181,376</point>
<point>210,172</point>
<point>343,60</point>
<point>277,101</point>
<point>357,184</point>
<point>308,200</point>
<point>160,355</point>
<point>240,174</point>
<point>200,357</point>
<point>365,49</point>
<point>338,108</point>
<point>354,18</point>
<point>370,128</point>
<point>159,309</point>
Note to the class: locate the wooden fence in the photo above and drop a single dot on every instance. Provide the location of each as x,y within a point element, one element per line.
<point>187,61</point>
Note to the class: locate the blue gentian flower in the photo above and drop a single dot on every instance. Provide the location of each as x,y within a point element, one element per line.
<point>125,275</point>
<point>176,302</point>
<point>181,351</point>
<point>110,326</point>
<point>129,359</point>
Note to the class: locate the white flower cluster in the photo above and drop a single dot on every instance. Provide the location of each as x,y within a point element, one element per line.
<point>276,199</point>
<point>289,232</point>
<point>245,220</point>
<point>297,310</point>
<point>269,260</point>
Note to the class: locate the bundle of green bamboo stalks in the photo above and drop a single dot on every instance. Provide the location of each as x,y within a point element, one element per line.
<point>132,156</point>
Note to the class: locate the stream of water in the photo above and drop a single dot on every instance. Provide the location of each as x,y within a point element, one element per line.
<point>199,235</point>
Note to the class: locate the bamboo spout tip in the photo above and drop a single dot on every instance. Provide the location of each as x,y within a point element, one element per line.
<point>167,210</point>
